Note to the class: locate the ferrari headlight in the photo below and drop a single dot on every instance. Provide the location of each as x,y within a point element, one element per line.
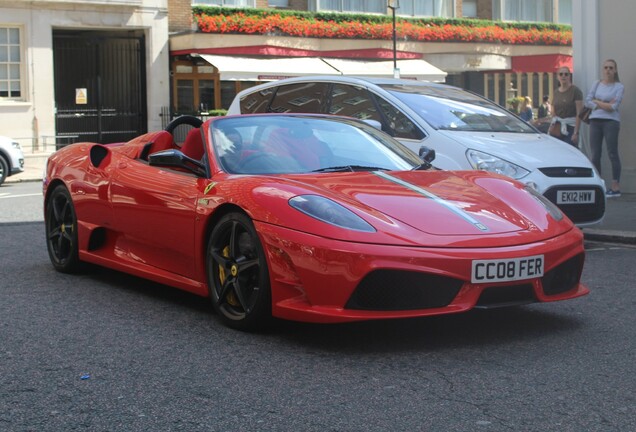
<point>328,211</point>
<point>16,145</point>
<point>554,211</point>
<point>487,162</point>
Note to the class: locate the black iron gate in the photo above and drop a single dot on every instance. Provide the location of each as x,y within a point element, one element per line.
<point>100,85</point>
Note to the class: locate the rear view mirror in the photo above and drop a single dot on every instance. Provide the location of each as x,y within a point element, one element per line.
<point>427,154</point>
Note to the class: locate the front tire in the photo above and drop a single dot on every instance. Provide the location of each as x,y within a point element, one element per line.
<point>238,277</point>
<point>4,170</point>
<point>61,231</point>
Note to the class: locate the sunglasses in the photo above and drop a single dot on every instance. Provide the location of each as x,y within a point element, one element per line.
<point>564,73</point>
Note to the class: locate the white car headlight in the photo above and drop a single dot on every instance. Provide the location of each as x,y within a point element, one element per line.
<point>16,145</point>
<point>487,162</point>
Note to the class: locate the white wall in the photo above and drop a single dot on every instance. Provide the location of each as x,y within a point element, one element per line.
<point>602,30</point>
<point>35,117</point>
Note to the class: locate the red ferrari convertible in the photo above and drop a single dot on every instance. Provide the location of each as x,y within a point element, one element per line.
<point>309,218</point>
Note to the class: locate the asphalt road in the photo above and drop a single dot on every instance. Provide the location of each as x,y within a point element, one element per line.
<point>21,202</point>
<point>103,351</point>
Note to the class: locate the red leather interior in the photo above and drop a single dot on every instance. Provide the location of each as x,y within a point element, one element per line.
<point>193,144</point>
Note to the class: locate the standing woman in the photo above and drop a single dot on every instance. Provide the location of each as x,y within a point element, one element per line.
<point>566,106</point>
<point>525,111</point>
<point>605,121</point>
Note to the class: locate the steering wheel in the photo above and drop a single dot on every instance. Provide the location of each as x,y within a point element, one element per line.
<point>259,163</point>
<point>184,119</point>
<point>269,163</point>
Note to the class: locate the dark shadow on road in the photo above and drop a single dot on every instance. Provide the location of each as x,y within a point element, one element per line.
<point>474,328</point>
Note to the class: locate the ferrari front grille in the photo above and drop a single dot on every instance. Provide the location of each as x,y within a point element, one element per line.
<point>394,290</point>
<point>511,295</point>
<point>563,277</point>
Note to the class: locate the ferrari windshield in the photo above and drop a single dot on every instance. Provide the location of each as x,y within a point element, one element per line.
<point>283,144</point>
<point>450,108</point>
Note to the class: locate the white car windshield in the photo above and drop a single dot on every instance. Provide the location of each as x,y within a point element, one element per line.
<point>457,110</point>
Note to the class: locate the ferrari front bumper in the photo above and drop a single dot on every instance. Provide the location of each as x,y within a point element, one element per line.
<point>316,279</point>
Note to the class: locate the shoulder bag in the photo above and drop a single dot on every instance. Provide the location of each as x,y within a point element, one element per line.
<point>585,112</point>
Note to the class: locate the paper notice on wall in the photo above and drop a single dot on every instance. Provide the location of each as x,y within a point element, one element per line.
<point>80,96</point>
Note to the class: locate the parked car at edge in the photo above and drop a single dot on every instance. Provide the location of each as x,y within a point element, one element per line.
<point>467,131</point>
<point>11,158</point>
<point>305,217</point>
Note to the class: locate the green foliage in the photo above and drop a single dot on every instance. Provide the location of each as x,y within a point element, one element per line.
<point>339,17</point>
<point>514,103</point>
<point>217,112</point>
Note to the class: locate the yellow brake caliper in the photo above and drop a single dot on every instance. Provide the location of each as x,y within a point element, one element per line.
<point>230,298</point>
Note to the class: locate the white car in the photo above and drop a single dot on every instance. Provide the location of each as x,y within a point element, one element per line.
<point>467,131</point>
<point>11,158</point>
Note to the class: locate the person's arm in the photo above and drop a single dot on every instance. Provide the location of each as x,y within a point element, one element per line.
<point>614,103</point>
<point>590,102</point>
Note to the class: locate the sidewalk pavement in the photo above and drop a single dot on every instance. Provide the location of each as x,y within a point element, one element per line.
<point>618,226</point>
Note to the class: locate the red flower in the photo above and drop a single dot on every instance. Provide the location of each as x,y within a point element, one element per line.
<point>295,26</point>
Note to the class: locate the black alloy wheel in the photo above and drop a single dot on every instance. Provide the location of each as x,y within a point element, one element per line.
<point>238,277</point>
<point>61,231</point>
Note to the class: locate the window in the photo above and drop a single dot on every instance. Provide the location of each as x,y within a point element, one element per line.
<point>432,8</point>
<point>10,63</point>
<point>228,91</point>
<point>518,10</point>
<point>278,3</point>
<point>372,6</point>
<point>350,101</point>
<point>256,102</point>
<point>206,95</point>
<point>299,98</point>
<point>231,3</point>
<point>565,12</point>
<point>185,96</point>
<point>399,125</point>
<point>469,9</point>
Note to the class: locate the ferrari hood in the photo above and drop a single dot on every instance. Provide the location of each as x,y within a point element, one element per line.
<point>439,203</point>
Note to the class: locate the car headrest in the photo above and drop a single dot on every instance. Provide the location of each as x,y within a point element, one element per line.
<point>193,144</point>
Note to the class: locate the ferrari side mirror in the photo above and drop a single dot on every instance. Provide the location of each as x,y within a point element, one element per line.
<point>176,158</point>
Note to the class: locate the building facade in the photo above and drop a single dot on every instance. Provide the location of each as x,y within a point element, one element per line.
<point>104,70</point>
<point>500,71</point>
<point>82,70</point>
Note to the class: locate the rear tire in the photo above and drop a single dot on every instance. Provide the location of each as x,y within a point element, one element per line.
<point>60,224</point>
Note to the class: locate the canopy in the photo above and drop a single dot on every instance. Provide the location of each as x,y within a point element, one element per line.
<point>233,68</point>
<point>410,69</point>
<point>541,63</point>
<point>266,69</point>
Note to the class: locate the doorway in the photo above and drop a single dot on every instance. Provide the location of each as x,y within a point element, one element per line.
<point>100,85</point>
